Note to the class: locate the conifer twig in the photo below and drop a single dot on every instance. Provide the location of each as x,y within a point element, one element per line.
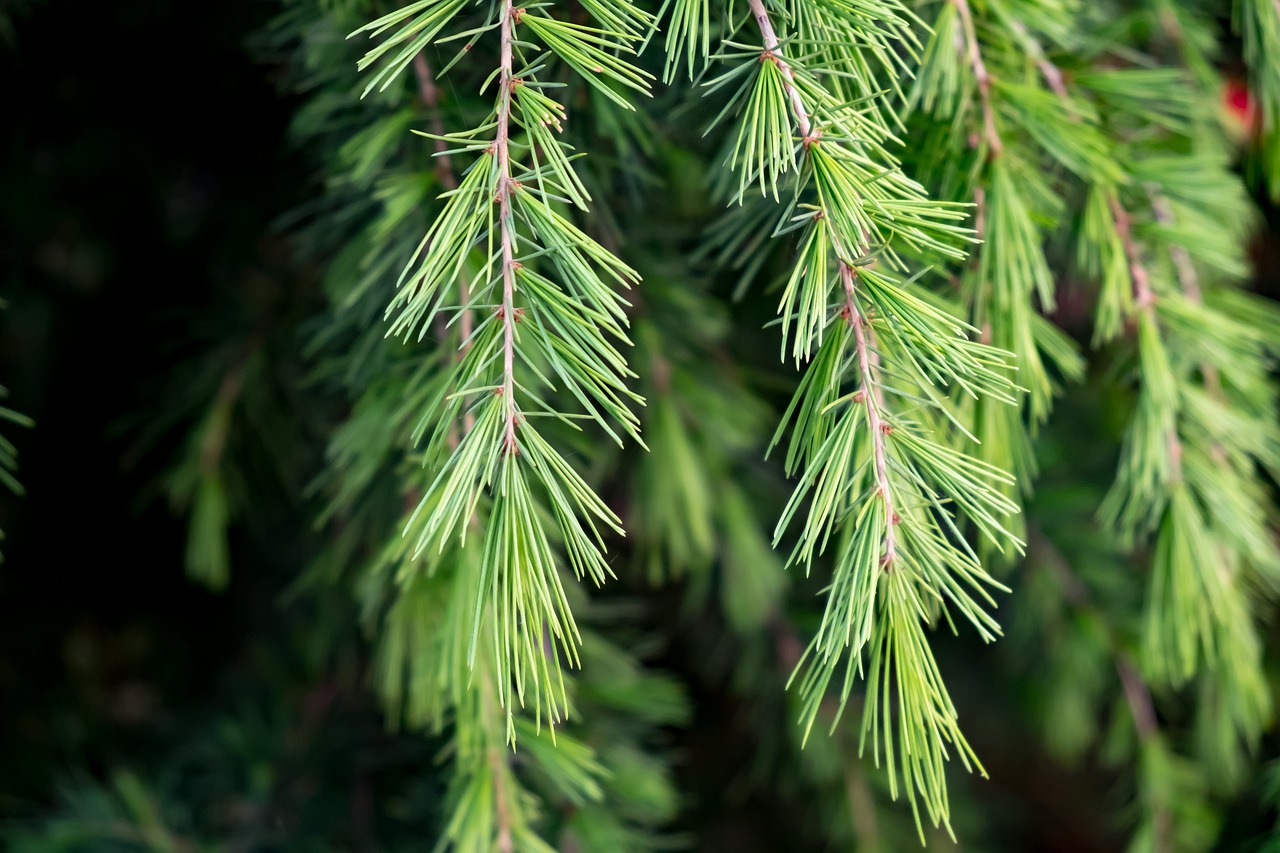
<point>1144,297</point>
<point>774,55</point>
<point>980,73</point>
<point>873,398</point>
<point>1051,73</point>
<point>429,92</point>
<point>500,807</point>
<point>501,145</point>
<point>1144,300</point>
<point>1190,283</point>
<point>870,395</point>
<point>1136,693</point>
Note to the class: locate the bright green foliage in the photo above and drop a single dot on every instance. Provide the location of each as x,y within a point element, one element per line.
<point>912,425</point>
<point>870,421</point>
<point>545,274</point>
<point>558,331</point>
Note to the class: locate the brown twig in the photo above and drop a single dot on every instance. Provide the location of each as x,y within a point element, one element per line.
<point>1144,297</point>
<point>1189,281</point>
<point>214,440</point>
<point>788,76</point>
<point>497,763</point>
<point>1050,72</point>
<point>870,394</point>
<point>502,151</point>
<point>1137,696</point>
<point>994,146</point>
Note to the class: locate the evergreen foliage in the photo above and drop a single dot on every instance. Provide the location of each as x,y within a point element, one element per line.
<point>1000,248</point>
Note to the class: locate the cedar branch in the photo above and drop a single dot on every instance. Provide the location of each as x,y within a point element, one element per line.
<point>994,146</point>
<point>871,396</point>
<point>873,399</point>
<point>788,76</point>
<point>502,151</point>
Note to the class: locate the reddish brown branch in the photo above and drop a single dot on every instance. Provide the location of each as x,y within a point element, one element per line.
<point>994,146</point>
<point>1144,297</point>
<point>873,398</point>
<point>870,394</point>
<point>502,151</point>
<point>1050,72</point>
<point>788,76</point>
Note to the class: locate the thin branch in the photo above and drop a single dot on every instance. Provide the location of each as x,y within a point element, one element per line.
<point>1186,270</point>
<point>1144,297</point>
<point>873,398</point>
<point>1051,73</point>
<point>995,146</point>
<point>502,151</point>
<point>499,767</point>
<point>771,46</point>
<point>214,441</point>
<point>870,395</point>
<point>1138,698</point>
<point>1137,695</point>
<point>429,94</point>
<point>1144,719</point>
<point>497,763</point>
<point>1144,300</point>
<point>979,212</point>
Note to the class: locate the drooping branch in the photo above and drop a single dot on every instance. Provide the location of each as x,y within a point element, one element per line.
<point>869,395</point>
<point>429,94</point>
<point>872,397</point>
<point>1137,695</point>
<point>502,153</point>
<point>1144,297</point>
<point>1051,73</point>
<point>994,146</point>
<point>771,45</point>
<point>1189,282</point>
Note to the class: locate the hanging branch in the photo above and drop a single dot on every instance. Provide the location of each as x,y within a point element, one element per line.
<point>1143,298</point>
<point>982,76</point>
<point>502,152</point>
<point>551,328</point>
<point>1008,285</point>
<point>774,55</point>
<point>1187,482</point>
<point>873,398</point>
<point>880,483</point>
